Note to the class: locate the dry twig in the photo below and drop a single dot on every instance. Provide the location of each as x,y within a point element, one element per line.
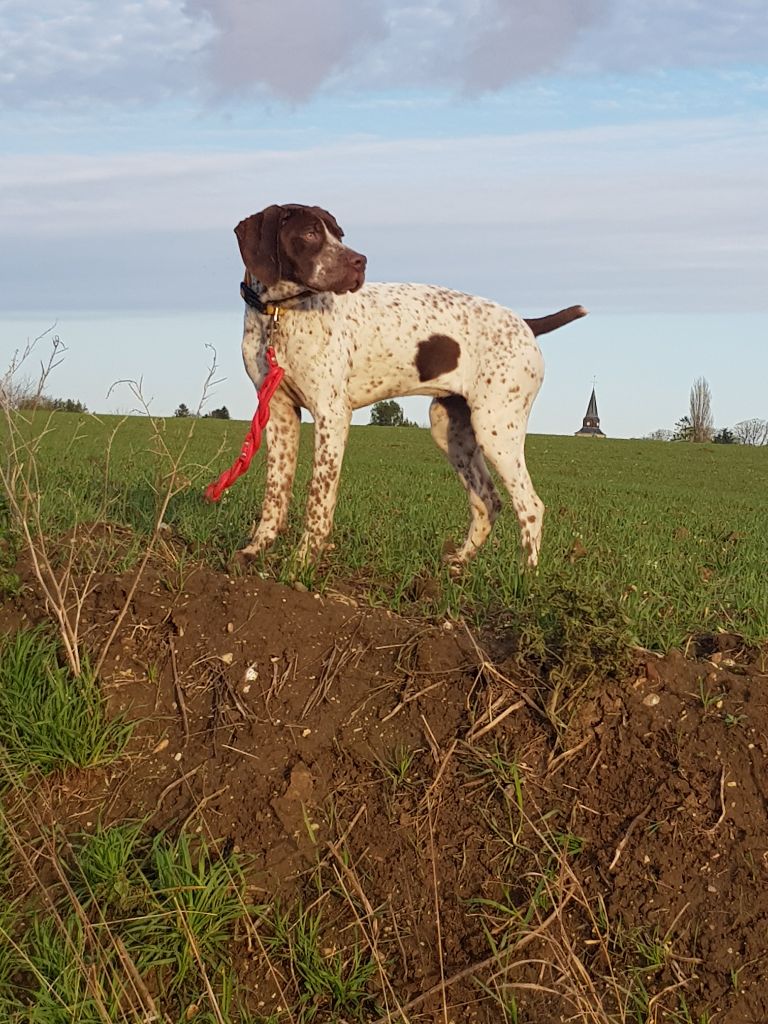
<point>342,655</point>
<point>179,692</point>
<point>630,829</point>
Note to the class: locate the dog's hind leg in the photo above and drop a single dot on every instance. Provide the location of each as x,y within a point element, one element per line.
<point>452,430</point>
<point>503,443</point>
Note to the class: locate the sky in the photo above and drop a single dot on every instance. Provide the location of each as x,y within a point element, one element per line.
<point>604,152</point>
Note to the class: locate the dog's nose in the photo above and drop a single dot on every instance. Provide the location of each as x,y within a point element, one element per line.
<point>358,261</point>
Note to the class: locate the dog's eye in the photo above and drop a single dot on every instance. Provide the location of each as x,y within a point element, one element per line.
<point>311,234</point>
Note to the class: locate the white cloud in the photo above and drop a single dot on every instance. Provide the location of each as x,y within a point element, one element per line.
<point>292,47</point>
<point>70,51</point>
<point>59,51</point>
<point>471,45</point>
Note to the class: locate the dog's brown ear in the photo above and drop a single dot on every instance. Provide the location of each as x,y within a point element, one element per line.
<point>259,239</point>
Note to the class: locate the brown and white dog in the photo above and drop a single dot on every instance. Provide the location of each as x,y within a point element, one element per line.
<point>344,344</point>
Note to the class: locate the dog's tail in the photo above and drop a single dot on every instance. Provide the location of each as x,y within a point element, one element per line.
<point>545,324</point>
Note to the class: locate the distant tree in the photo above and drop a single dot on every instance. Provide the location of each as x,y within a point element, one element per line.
<point>387,414</point>
<point>69,405</point>
<point>218,414</point>
<point>50,404</point>
<point>182,411</point>
<point>724,436</point>
<point>27,402</point>
<point>700,411</point>
<point>659,435</point>
<point>683,429</point>
<point>754,432</point>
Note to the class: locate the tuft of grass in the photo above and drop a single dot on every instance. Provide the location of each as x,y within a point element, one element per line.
<point>652,952</point>
<point>202,895</point>
<point>501,777</point>
<point>174,903</point>
<point>498,768</point>
<point>128,906</point>
<point>710,699</point>
<point>108,869</point>
<point>61,989</point>
<point>49,719</point>
<point>560,636</point>
<point>396,766</point>
<point>571,845</point>
<point>331,984</point>
<point>10,583</point>
<point>684,1015</point>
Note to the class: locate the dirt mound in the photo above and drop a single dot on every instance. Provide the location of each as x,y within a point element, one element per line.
<point>428,798</point>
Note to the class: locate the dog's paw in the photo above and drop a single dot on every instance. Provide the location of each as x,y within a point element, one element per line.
<point>242,560</point>
<point>455,566</point>
<point>311,550</point>
<point>451,558</point>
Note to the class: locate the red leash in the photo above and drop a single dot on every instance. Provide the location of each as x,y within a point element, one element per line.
<point>252,441</point>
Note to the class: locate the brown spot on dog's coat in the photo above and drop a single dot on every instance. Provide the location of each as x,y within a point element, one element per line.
<point>437,355</point>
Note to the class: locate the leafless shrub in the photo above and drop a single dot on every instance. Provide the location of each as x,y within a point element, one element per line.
<point>16,394</point>
<point>19,475</point>
<point>19,391</point>
<point>65,586</point>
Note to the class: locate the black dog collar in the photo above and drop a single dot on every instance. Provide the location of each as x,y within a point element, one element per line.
<point>268,308</point>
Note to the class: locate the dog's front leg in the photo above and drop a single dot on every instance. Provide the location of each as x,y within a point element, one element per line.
<point>282,436</point>
<point>331,432</point>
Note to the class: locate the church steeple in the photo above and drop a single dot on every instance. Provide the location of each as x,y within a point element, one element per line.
<point>591,425</point>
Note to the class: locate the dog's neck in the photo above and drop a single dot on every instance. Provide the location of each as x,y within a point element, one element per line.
<point>288,293</point>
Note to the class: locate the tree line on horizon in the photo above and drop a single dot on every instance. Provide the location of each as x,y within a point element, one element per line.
<point>696,426</point>
<point>183,411</point>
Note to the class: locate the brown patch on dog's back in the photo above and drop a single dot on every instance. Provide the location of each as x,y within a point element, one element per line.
<point>437,355</point>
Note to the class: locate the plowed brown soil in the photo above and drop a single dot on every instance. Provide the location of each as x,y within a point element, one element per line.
<point>627,852</point>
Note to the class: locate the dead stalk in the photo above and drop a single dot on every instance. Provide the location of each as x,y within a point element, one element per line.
<point>179,692</point>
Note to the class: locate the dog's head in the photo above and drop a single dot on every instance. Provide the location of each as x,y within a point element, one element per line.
<point>301,244</point>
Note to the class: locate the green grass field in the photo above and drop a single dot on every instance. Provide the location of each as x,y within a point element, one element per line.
<point>668,538</point>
